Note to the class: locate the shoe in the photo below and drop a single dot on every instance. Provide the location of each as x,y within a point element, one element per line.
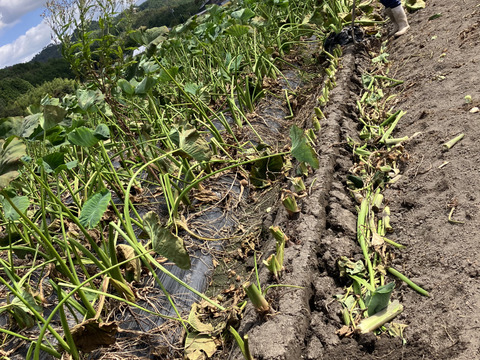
<point>401,20</point>
<point>388,12</point>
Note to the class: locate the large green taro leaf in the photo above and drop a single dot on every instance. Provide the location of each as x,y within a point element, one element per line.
<point>21,203</point>
<point>11,152</point>
<point>94,208</point>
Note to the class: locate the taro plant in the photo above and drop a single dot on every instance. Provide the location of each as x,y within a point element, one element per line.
<point>242,343</point>
<point>290,204</point>
<point>274,262</point>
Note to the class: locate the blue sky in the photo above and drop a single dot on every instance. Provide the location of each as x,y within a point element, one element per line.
<point>10,34</point>
<point>23,32</point>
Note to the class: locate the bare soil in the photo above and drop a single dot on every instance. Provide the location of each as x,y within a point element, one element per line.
<point>439,61</point>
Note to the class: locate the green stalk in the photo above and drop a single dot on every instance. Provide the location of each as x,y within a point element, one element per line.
<point>409,282</point>
<point>44,348</point>
<point>140,249</point>
<point>393,243</point>
<point>256,297</point>
<point>37,315</point>
<point>375,321</point>
<point>104,258</point>
<point>242,343</point>
<point>48,245</point>
<point>449,144</point>
<point>66,329</point>
<point>76,288</point>
<point>362,231</point>
<point>189,187</point>
<point>395,141</point>
<point>388,133</point>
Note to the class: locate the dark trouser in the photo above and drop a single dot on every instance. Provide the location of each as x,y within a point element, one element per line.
<point>391,3</point>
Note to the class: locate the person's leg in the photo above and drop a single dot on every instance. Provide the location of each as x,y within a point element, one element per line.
<point>400,20</point>
<point>389,13</point>
<point>394,10</point>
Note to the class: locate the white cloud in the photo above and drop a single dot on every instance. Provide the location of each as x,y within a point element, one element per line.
<point>12,10</point>
<point>26,46</point>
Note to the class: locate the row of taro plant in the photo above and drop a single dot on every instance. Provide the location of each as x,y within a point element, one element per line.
<point>162,119</point>
<point>366,303</point>
<point>275,262</point>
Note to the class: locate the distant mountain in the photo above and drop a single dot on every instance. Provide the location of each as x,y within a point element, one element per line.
<point>51,51</point>
<point>156,13</point>
<point>48,64</point>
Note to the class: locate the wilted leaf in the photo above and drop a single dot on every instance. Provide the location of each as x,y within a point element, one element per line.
<point>195,322</point>
<point>199,347</point>
<point>122,288</point>
<point>133,267</point>
<point>90,334</point>
<point>347,266</point>
<point>94,208</point>
<point>11,152</point>
<point>265,169</point>
<point>206,196</point>
<point>300,149</point>
<point>21,202</point>
<point>194,145</point>
<point>377,239</point>
<point>23,313</point>
<point>397,329</point>
<point>414,5</point>
<point>191,144</point>
<point>165,243</point>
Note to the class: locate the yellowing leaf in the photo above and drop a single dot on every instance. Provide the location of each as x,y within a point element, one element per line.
<point>195,322</point>
<point>126,252</point>
<point>199,347</point>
